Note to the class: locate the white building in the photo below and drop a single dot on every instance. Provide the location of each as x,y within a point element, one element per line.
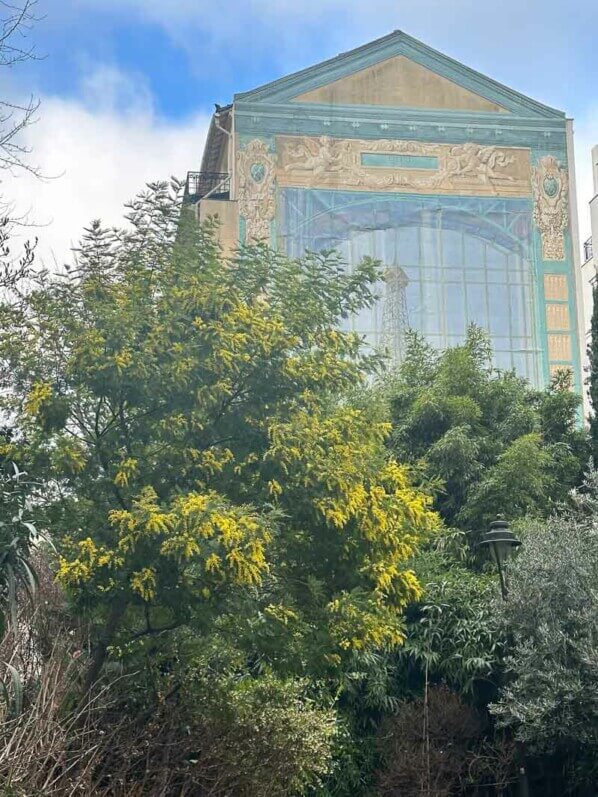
<point>590,251</point>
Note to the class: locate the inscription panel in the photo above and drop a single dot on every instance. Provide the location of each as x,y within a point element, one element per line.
<point>390,161</point>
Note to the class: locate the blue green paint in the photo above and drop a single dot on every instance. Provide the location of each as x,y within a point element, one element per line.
<point>363,122</point>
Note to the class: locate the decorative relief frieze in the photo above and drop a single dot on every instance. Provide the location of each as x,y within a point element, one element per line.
<point>464,168</point>
<point>256,173</point>
<point>551,206</point>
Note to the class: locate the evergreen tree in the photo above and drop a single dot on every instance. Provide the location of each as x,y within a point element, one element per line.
<point>592,380</point>
<point>495,444</point>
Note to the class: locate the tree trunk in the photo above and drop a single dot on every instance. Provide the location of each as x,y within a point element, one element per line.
<point>99,655</point>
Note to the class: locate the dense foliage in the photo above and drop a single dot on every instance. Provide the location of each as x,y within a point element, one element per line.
<point>17,536</point>
<point>592,381</point>
<point>254,593</point>
<point>551,700</point>
<point>453,634</point>
<point>496,445</point>
<point>208,483</point>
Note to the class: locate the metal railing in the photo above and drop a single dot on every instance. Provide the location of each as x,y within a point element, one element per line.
<point>200,184</point>
<point>588,250</point>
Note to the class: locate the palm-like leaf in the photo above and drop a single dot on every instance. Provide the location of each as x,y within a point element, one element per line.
<point>18,536</point>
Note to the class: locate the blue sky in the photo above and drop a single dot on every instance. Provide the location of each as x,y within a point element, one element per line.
<point>191,53</point>
<point>127,86</point>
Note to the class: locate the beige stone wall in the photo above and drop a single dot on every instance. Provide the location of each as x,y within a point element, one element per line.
<point>226,212</point>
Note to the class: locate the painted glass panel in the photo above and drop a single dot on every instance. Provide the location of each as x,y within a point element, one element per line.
<point>448,261</point>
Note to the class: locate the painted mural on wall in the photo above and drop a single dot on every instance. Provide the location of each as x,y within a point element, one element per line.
<point>390,165</point>
<point>458,185</point>
<point>551,208</point>
<point>447,261</point>
<point>435,286</point>
<point>256,167</point>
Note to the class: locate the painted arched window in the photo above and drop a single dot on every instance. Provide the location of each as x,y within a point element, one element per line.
<point>448,261</point>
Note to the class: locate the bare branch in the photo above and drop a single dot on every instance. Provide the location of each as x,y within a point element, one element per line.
<point>16,20</point>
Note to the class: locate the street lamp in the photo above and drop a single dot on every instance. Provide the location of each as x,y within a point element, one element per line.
<point>501,542</point>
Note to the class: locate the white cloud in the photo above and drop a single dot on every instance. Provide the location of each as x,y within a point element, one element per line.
<point>107,88</point>
<point>252,23</point>
<point>284,32</point>
<point>99,151</point>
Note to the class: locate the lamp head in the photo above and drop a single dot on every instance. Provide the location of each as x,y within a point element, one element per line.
<point>500,540</point>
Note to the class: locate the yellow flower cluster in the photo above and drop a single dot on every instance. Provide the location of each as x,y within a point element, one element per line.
<point>197,525</point>
<point>239,335</point>
<point>88,562</point>
<point>211,461</point>
<point>122,360</point>
<point>69,455</point>
<point>281,613</point>
<point>145,520</point>
<point>127,468</point>
<point>358,622</point>
<point>336,462</point>
<point>40,393</point>
<point>143,582</point>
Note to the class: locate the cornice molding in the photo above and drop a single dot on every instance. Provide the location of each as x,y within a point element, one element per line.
<point>265,120</point>
<point>381,115</point>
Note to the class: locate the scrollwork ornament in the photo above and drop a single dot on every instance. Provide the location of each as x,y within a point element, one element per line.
<point>551,206</point>
<point>256,170</point>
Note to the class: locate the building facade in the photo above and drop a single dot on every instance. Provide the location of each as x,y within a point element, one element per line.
<point>589,259</point>
<point>461,187</point>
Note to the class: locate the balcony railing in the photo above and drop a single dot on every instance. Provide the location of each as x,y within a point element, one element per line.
<point>200,184</point>
<point>588,250</point>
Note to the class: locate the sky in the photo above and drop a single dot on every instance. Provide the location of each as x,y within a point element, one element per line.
<point>127,86</point>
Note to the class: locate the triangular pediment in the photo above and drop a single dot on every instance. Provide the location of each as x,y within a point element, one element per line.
<point>397,72</point>
<point>399,82</point>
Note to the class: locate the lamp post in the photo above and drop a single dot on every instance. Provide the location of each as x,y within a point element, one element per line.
<point>501,542</point>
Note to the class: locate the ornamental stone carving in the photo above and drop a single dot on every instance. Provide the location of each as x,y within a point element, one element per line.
<point>551,206</point>
<point>256,172</point>
<point>469,168</point>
